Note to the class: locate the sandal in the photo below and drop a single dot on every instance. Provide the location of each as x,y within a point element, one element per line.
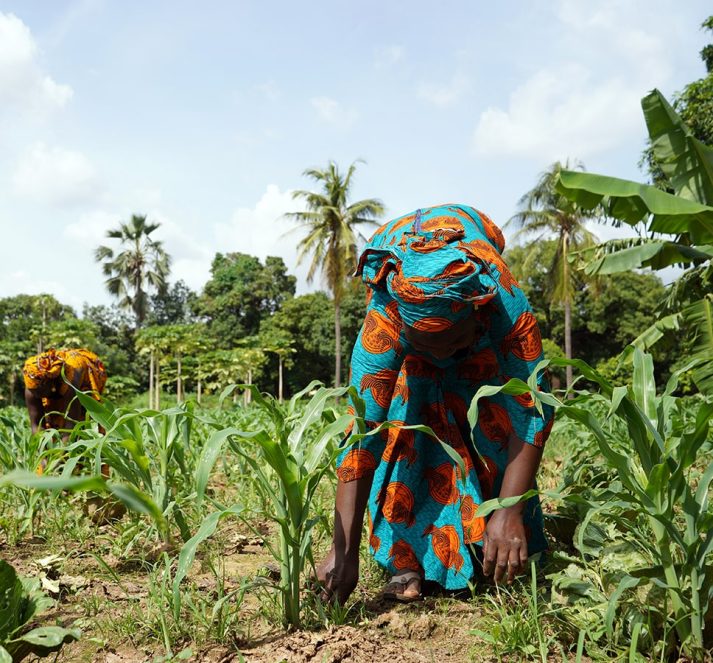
<point>404,587</point>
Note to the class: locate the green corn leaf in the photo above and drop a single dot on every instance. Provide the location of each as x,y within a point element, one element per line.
<point>29,480</point>
<point>5,655</point>
<point>634,644</point>
<point>691,442</point>
<point>618,395</point>
<point>657,486</point>
<point>587,371</point>
<point>210,453</point>
<point>335,429</point>
<point>97,411</point>
<point>703,488</point>
<point>644,386</point>
<point>188,551</point>
<point>140,502</point>
<point>311,415</point>
<point>487,507</point>
<point>627,582</point>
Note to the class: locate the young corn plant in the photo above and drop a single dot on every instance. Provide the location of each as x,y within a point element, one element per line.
<point>23,451</point>
<point>287,458</point>
<point>150,456</point>
<point>663,476</point>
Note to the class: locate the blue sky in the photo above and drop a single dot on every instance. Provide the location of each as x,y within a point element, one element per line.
<point>204,115</point>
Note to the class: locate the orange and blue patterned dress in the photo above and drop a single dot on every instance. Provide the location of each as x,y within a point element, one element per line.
<point>428,270</point>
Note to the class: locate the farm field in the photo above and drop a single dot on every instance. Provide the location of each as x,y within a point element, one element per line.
<point>139,592</point>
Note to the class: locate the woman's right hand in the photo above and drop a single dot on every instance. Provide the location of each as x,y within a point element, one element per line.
<point>338,574</point>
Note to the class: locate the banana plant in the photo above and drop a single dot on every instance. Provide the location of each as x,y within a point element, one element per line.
<point>685,216</point>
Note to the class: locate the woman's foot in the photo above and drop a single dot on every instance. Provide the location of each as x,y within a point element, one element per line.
<point>404,587</point>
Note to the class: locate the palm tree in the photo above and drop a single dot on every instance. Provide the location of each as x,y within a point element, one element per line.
<point>545,211</point>
<point>142,264</point>
<point>332,235</point>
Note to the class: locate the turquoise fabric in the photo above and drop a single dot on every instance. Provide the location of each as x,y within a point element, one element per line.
<point>421,509</point>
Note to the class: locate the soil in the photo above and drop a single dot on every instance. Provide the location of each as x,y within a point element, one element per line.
<point>422,631</point>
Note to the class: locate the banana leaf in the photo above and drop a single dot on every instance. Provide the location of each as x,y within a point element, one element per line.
<point>686,162</point>
<point>623,255</point>
<point>699,317</point>
<point>632,202</point>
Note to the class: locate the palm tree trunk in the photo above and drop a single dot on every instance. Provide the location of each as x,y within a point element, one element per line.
<point>279,378</point>
<point>567,309</point>
<point>199,391</point>
<point>568,341</point>
<point>337,344</point>
<point>13,377</point>
<point>151,380</point>
<point>157,398</point>
<point>179,381</point>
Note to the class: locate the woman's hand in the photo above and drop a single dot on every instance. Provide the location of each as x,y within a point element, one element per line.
<point>338,575</point>
<point>504,545</point>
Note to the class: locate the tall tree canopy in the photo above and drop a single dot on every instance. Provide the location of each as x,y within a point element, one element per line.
<point>333,232</point>
<point>27,317</point>
<point>138,265</point>
<point>174,305</point>
<point>240,292</point>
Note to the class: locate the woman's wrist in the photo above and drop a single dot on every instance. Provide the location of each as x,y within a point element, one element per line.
<point>506,513</point>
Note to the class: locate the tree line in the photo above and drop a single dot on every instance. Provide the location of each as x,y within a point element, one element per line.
<point>247,325</point>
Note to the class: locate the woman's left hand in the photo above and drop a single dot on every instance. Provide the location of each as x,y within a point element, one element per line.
<point>504,545</point>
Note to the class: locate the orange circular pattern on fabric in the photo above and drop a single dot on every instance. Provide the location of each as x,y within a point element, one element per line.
<point>403,557</point>
<point>380,334</point>
<point>397,503</point>
<point>446,544</point>
<point>523,340</point>
<point>494,421</point>
<point>442,483</point>
<point>355,465</point>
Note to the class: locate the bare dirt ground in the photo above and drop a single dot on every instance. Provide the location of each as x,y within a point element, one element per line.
<point>436,629</point>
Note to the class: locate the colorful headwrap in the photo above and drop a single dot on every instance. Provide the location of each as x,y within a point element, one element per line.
<point>433,275</point>
<point>47,366</point>
<point>42,368</point>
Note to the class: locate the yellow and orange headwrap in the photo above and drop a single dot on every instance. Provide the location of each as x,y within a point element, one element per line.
<point>42,368</point>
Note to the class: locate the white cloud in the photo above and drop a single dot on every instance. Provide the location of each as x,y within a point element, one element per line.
<point>612,53</point>
<point>446,95</point>
<point>91,227</point>
<point>262,231</point>
<point>332,112</point>
<point>559,113</point>
<point>22,82</point>
<point>386,56</point>
<point>56,176</point>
